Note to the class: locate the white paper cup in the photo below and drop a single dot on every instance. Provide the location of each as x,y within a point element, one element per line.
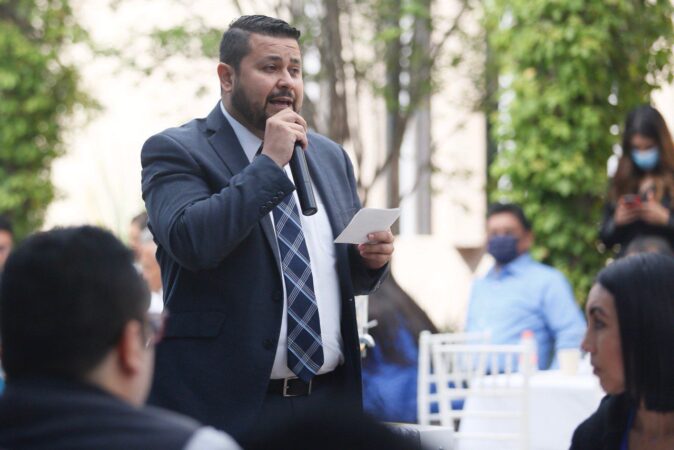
<point>569,359</point>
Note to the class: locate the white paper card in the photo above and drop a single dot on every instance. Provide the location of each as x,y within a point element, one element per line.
<point>367,220</point>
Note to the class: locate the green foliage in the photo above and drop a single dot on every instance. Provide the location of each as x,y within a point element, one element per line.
<point>569,70</point>
<point>38,93</point>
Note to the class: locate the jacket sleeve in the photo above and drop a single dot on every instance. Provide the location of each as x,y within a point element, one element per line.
<point>196,226</point>
<point>365,281</point>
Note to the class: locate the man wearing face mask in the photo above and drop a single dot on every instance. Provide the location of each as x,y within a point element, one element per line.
<point>520,294</point>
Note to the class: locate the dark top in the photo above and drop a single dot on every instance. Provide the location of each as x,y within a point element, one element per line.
<point>613,235</point>
<point>59,414</point>
<point>604,430</point>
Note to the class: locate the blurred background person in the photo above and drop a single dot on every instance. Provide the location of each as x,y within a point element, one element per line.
<point>520,294</point>
<point>136,227</point>
<point>649,244</point>
<point>149,266</point>
<point>391,366</point>
<point>78,350</point>
<point>642,189</point>
<point>630,313</point>
<point>6,241</point>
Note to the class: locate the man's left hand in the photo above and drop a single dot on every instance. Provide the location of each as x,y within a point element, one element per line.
<point>378,251</point>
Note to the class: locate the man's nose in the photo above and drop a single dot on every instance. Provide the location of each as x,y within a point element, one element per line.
<point>286,80</point>
<point>585,345</point>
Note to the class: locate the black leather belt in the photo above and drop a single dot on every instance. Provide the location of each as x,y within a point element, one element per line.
<point>294,387</point>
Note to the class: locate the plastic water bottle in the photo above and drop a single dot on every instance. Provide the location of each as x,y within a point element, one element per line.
<point>529,342</point>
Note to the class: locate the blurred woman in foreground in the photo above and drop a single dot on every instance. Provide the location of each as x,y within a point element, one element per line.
<point>630,335</point>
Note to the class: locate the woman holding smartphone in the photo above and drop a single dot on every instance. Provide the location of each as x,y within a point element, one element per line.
<point>641,194</point>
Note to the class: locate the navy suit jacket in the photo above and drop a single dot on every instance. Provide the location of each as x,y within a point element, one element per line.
<point>209,213</point>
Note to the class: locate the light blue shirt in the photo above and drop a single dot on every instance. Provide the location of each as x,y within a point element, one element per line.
<point>526,295</point>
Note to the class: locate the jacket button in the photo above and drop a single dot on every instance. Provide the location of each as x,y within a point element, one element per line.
<point>268,344</point>
<point>277,296</point>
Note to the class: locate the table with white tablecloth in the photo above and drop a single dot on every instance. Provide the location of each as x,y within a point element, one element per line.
<point>557,404</point>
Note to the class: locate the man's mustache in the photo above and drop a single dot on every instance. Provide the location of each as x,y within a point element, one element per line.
<point>281,94</point>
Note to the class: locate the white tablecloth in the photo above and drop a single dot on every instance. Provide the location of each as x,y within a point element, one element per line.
<point>558,403</point>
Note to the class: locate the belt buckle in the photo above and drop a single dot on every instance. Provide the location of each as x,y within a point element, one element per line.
<point>285,387</point>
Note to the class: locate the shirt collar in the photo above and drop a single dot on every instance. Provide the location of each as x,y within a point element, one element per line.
<point>512,267</point>
<point>249,142</point>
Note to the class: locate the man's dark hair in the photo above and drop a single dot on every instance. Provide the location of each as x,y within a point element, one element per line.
<point>234,43</point>
<point>511,208</point>
<point>65,297</point>
<point>6,225</point>
<point>642,286</point>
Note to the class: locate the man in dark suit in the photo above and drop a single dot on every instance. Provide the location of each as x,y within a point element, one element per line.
<point>261,299</point>
<point>77,349</point>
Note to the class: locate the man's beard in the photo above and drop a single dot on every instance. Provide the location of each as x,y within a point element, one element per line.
<point>255,116</point>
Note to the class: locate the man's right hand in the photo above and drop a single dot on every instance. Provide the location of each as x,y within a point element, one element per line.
<point>281,132</point>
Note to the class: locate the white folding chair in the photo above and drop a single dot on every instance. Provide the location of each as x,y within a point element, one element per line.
<point>455,372</point>
<point>426,399</point>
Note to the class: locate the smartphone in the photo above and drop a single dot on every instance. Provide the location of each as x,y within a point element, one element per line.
<point>632,200</point>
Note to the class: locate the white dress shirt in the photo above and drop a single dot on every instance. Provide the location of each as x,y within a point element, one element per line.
<point>319,239</point>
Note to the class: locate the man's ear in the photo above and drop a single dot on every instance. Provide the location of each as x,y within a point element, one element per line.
<point>130,348</point>
<point>226,76</point>
<point>527,241</point>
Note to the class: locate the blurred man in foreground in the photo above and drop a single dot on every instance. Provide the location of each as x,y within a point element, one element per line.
<point>78,350</point>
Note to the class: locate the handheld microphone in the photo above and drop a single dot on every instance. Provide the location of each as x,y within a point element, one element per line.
<point>305,191</point>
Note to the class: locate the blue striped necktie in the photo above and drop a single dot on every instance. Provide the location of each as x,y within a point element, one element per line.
<point>305,347</point>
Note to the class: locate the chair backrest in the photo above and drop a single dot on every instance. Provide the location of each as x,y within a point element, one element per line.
<point>472,386</point>
<point>426,391</point>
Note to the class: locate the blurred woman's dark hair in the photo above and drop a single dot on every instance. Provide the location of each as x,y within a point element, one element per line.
<point>643,290</point>
<point>648,122</point>
<point>394,309</point>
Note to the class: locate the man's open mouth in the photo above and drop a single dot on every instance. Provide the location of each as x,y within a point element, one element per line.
<point>282,101</point>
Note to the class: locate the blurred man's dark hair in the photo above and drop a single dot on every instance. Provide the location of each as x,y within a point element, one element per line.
<point>234,43</point>
<point>6,225</point>
<point>510,208</point>
<point>65,297</point>
<point>649,244</point>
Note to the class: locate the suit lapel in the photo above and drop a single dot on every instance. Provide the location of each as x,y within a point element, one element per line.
<point>224,141</point>
<point>229,150</point>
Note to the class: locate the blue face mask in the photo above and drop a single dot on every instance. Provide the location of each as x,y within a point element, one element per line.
<point>646,160</point>
<point>503,248</point>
